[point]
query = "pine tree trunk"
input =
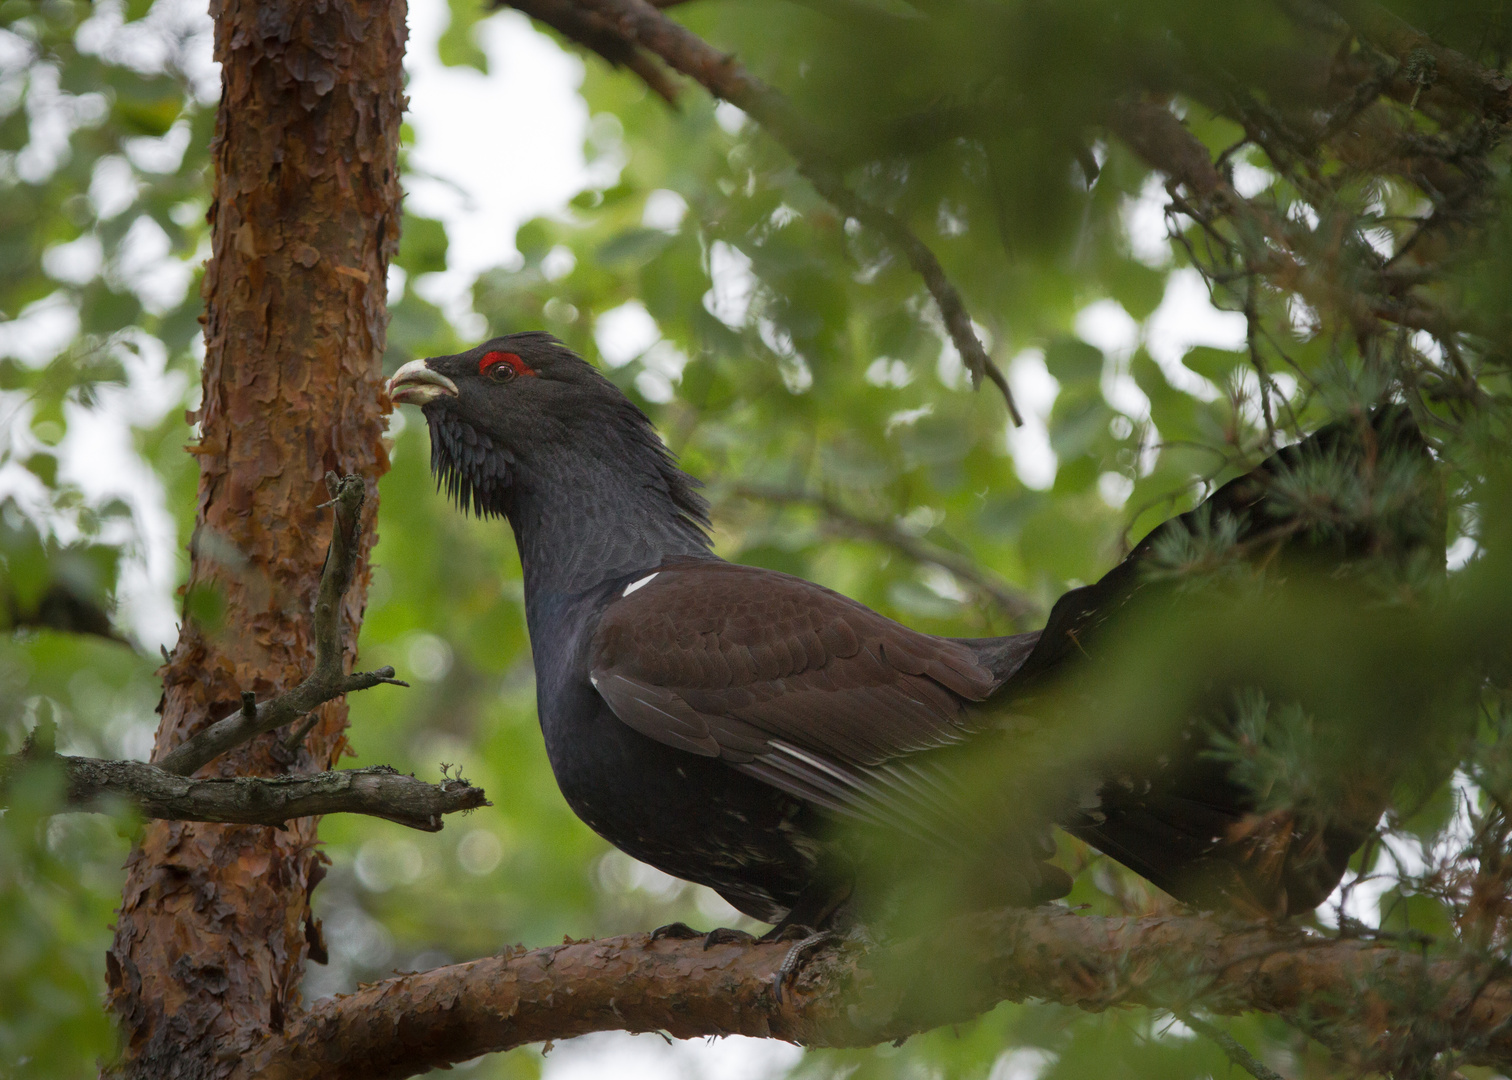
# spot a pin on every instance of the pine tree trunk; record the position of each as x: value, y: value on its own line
x: 215, y: 922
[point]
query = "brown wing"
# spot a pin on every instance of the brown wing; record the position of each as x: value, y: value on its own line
x: 794, y: 684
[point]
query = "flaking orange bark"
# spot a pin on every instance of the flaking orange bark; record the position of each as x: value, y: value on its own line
x: 214, y: 925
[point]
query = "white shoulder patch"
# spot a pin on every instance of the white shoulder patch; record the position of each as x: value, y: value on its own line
x: 630, y: 588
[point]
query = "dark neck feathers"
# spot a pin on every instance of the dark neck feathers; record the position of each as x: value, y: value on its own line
x: 588, y: 503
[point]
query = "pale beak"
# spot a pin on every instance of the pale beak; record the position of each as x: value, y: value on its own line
x: 417, y: 384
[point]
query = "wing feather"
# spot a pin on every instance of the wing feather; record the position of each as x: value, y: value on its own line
x: 658, y: 713
x: 795, y: 685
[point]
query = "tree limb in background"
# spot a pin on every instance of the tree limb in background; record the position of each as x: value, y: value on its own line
x: 1424, y: 62
x: 377, y: 791
x: 827, y: 181
x: 1374, y: 1004
x: 1268, y: 246
x: 1016, y: 605
x: 641, y: 26
x: 328, y: 681
x: 587, y: 29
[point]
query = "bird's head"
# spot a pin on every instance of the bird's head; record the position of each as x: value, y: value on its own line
x: 526, y: 408
x: 507, y: 386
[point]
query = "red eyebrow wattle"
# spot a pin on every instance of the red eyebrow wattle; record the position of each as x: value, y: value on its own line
x: 512, y: 359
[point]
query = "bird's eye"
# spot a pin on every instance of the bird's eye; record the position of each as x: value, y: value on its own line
x: 503, y: 366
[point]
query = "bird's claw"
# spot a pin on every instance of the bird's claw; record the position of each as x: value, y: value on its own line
x: 677, y: 931
x: 681, y: 931
x: 725, y: 935
x: 794, y: 958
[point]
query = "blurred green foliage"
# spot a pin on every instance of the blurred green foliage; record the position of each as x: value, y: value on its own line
x: 795, y: 363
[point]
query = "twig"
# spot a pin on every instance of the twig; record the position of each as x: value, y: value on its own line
x: 165, y: 790
x: 1251, y: 340
x: 1232, y: 1048
x: 328, y: 680
x: 1014, y: 604
x: 377, y: 791
x: 1158, y: 137
x: 641, y: 26
x: 827, y: 182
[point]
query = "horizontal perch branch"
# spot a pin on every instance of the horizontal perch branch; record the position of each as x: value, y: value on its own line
x: 328, y: 681
x: 378, y: 791
x: 1376, y: 1005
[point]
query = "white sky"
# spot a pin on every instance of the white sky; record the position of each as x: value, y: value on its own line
x: 494, y: 150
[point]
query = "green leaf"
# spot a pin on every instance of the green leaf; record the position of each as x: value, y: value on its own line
x: 1072, y: 360
x: 1137, y: 287
x: 422, y: 245
x: 633, y: 247
x: 44, y: 467
x: 1214, y: 364
x: 206, y: 605
x: 458, y: 44
x: 144, y: 106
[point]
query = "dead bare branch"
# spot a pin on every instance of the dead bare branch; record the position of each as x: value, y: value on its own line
x: 328, y: 681
x: 163, y: 790
x: 377, y: 791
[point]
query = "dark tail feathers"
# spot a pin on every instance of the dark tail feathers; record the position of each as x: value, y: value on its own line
x: 1184, y: 823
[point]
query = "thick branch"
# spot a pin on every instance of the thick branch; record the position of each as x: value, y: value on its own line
x: 641, y: 26
x: 378, y: 791
x: 1488, y: 91
x: 1014, y: 604
x: 327, y: 681
x: 1370, y: 1000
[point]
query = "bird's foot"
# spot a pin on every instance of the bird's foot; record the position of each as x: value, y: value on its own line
x: 677, y: 931
x: 793, y: 961
x: 725, y: 935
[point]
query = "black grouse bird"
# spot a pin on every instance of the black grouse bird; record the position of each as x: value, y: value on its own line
x: 721, y: 722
